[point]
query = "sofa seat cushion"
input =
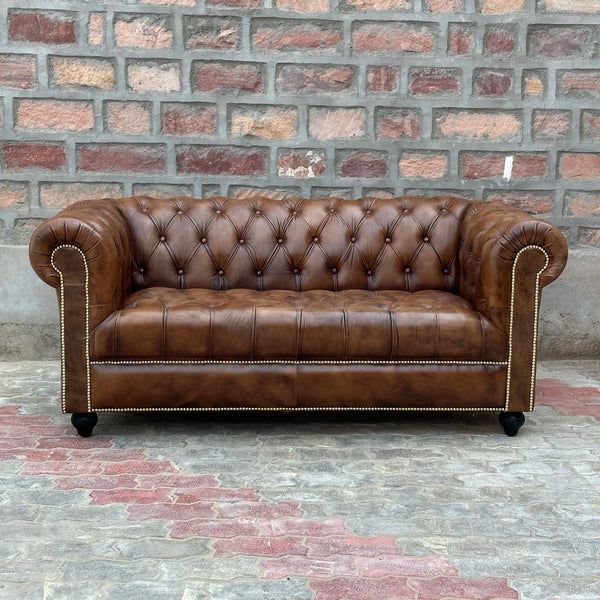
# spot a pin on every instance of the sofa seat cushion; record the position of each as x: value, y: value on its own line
x: 240, y: 324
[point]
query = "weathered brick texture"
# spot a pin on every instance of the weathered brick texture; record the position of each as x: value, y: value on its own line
x: 491, y: 99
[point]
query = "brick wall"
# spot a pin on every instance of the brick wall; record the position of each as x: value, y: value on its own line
x: 494, y: 99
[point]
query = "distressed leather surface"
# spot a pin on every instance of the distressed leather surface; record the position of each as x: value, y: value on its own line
x: 422, y: 278
x: 165, y: 323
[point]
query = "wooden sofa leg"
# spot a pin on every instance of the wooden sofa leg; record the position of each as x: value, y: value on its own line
x: 84, y: 423
x: 512, y: 422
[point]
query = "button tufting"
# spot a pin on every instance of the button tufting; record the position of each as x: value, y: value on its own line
x: 296, y: 271
x: 368, y: 211
x: 221, y: 271
x: 144, y: 209
x: 242, y: 241
x: 332, y: 210
x: 446, y: 271
x: 369, y: 273
x: 407, y: 270
x: 179, y: 212
x: 162, y: 238
x: 141, y: 270
x: 425, y: 239
x: 316, y: 240
x: 280, y: 241
x: 180, y: 272
x: 334, y: 270
x: 218, y: 211
x: 259, y: 272
x: 388, y: 240
x: 353, y: 239
x: 257, y: 212
x: 203, y: 240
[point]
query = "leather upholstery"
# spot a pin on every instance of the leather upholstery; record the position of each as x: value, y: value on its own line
x: 421, y: 279
x: 407, y: 244
x: 163, y: 323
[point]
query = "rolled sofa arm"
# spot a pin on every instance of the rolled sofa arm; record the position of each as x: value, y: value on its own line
x: 95, y: 231
x: 496, y: 240
x: 506, y: 257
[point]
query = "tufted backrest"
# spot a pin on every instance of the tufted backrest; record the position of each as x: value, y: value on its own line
x: 406, y: 243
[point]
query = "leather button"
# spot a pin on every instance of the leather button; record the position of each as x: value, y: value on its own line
x: 316, y: 240
x: 180, y: 272
x: 353, y: 239
x: 407, y: 270
x: 405, y: 210
x: 334, y: 270
x: 388, y: 240
x: 426, y: 239
x: 259, y: 272
x: 179, y: 212
x: 203, y: 240
x: 144, y: 209
x: 332, y: 210
x: 368, y: 211
x: 141, y: 270
x: 296, y: 271
x: 443, y: 211
x: 221, y: 272
x: 446, y: 271
x: 218, y: 211
x: 242, y: 241
x: 369, y: 273
x: 162, y: 238
x: 257, y: 212
x: 294, y: 212
x: 280, y: 241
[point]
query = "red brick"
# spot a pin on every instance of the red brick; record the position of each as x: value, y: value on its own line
x: 214, y: 529
x: 562, y: 41
x: 315, y: 79
x: 551, y: 124
x: 261, y: 510
x: 482, y: 165
x: 96, y: 26
x: 461, y: 39
x: 477, y: 124
x: 281, y: 546
x: 59, y: 195
x: 423, y: 165
x: 303, y: 6
x: 582, y: 204
x: 485, y: 588
x: 537, y: 203
x: 74, y: 442
x: 143, y: 31
x: 355, y: 588
x: 290, y: 35
x: 169, y: 511
x: 154, y: 76
x: 217, y: 33
x: 133, y: 118
x: 375, y: 5
x: 501, y: 7
x: 18, y: 71
x: 361, y: 163
x: 76, y: 72
x: 140, y: 467
x: 302, y: 566
x: 533, y: 84
x: 53, y: 115
x: 579, y: 84
x: 301, y: 163
x: 129, y: 496
x: 492, y: 83
x: 579, y: 165
x: 230, y: 77
x: 326, y: 123
x: 394, y: 37
x: 352, y: 545
x: 434, y: 81
x: 411, y: 566
x: 382, y: 78
x: 189, y: 119
x: 397, y: 124
x: 590, y: 236
x: 590, y: 125
x: 445, y: 6
x: 235, y: 3
x: 222, y: 160
x: 162, y: 190
x: 13, y: 194
x: 42, y: 27
x: 134, y: 158
x: 500, y: 40
x: 263, y: 122
x: 19, y: 156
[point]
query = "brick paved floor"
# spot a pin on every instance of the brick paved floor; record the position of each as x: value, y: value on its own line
x: 299, y: 507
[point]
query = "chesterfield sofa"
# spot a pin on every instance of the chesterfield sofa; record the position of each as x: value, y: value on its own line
x: 409, y: 304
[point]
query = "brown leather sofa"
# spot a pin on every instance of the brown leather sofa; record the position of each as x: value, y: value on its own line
x: 410, y: 303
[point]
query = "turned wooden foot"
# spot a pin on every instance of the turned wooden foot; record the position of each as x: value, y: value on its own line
x: 84, y: 423
x: 512, y: 422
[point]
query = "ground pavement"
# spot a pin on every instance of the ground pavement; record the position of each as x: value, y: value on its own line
x: 198, y: 506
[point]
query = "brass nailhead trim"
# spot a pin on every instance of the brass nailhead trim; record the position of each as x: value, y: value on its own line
x: 305, y: 408
x: 502, y: 363
x: 297, y: 362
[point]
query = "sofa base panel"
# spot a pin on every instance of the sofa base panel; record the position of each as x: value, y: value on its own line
x: 297, y: 386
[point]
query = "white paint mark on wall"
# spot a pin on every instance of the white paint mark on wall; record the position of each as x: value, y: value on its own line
x: 508, y: 165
